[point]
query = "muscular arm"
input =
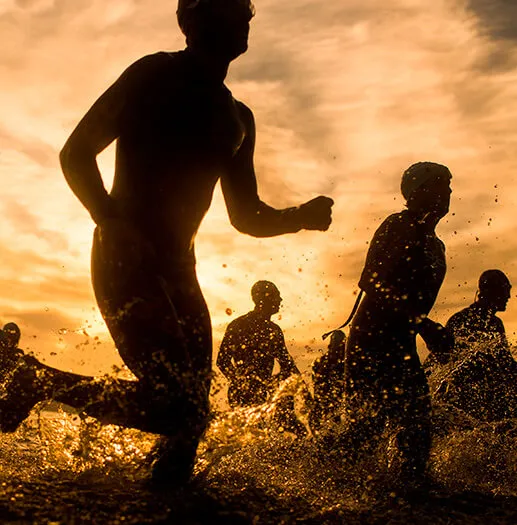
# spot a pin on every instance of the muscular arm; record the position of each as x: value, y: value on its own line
x: 248, y: 213
x: 97, y: 130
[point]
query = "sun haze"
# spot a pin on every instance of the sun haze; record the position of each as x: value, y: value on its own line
x: 346, y: 95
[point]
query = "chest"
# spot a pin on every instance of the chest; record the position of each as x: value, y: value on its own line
x: 189, y: 118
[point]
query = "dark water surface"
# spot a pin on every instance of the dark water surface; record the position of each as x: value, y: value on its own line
x: 57, y: 469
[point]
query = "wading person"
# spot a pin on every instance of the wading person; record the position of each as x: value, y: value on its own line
x: 405, y: 267
x: 9, y: 351
x: 481, y: 378
x: 328, y: 374
x: 250, y: 346
x: 179, y: 131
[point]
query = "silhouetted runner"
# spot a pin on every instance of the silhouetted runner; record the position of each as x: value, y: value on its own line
x: 481, y: 374
x: 9, y: 351
x: 250, y: 346
x: 328, y: 375
x: 178, y: 131
x: 404, y: 269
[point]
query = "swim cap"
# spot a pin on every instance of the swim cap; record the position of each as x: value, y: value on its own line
x: 420, y: 173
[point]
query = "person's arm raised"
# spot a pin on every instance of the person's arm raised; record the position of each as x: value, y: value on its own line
x: 248, y: 213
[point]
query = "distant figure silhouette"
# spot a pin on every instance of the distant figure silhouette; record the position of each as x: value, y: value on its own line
x: 479, y: 320
x: 9, y: 351
x: 404, y: 270
x: 179, y: 131
x: 481, y: 376
x: 250, y: 346
x: 328, y: 375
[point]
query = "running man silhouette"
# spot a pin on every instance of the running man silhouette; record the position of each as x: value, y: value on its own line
x: 179, y: 131
x: 404, y: 269
x: 250, y: 346
x: 328, y: 375
x: 482, y: 380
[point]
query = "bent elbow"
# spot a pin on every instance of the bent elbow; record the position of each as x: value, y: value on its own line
x: 73, y: 156
x: 249, y: 225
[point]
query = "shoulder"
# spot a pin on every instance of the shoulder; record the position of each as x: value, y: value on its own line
x: 460, y: 316
x: 498, y: 324
x: 397, y: 222
x: 245, y: 113
x: 274, y: 328
x: 152, y: 62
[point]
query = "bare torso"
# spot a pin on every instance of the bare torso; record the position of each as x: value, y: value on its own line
x: 179, y: 133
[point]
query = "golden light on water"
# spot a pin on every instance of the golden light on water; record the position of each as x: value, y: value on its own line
x: 346, y: 95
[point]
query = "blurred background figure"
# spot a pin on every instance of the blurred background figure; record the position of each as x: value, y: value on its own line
x: 9, y: 351
x: 250, y: 347
x: 480, y: 374
x: 328, y: 381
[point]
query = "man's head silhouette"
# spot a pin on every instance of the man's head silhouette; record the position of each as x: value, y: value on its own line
x: 266, y: 297
x: 11, y: 335
x: 220, y: 27
x: 494, y: 289
x: 426, y: 188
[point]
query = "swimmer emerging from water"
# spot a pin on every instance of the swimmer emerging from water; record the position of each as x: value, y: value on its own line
x: 404, y: 270
x: 250, y: 346
x: 179, y: 131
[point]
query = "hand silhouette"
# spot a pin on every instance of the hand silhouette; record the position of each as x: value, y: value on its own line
x: 317, y: 213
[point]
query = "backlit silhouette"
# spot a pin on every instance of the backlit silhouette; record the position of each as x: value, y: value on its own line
x: 251, y: 345
x: 179, y: 130
x: 404, y: 269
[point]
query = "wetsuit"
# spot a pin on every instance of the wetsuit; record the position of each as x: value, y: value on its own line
x: 385, y: 383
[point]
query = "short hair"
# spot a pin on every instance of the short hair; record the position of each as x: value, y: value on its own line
x: 261, y: 289
x: 491, y: 279
x: 418, y: 174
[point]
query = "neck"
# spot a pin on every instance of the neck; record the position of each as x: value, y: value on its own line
x: 262, y: 314
x: 485, y: 305
x: 213, y: 66
x: 427, y: 218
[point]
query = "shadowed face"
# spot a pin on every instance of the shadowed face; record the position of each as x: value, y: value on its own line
x: 220, y: 26
x: 498, y: 297
x: 11, y: 335
x: 266, y: 297
x: 433, y: 197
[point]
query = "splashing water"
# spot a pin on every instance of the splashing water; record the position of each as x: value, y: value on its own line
x: 243, y: 455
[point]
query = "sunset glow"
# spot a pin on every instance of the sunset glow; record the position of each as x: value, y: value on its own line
x: 346, y: 95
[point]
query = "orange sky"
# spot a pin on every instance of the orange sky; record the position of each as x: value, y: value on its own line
x: 346, y: 94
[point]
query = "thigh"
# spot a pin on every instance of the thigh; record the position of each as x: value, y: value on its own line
x: 159, y: 322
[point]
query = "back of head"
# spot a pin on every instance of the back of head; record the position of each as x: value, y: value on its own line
x: 419, y: 174
x: 493, y: 280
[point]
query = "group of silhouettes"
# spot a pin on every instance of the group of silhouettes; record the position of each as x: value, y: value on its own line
x: 179, y: 131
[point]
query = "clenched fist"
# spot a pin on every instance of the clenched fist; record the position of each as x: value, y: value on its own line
x: 317, y: 213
